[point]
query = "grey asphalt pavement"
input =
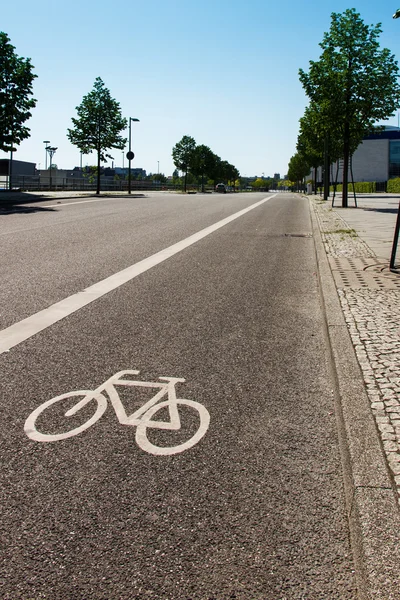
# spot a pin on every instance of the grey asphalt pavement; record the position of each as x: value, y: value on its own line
x: 254, y: 510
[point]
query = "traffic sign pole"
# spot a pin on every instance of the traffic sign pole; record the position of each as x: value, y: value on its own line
x: 130, y: 154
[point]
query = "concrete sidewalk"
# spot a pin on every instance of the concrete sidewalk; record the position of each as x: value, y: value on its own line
x: 374, y: 220
x: 358, y: 243
x: 355, y: 277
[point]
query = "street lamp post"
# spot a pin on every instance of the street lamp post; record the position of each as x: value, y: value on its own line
x: 130, y: 154
x: 51, y: 150
x: 47, y: 142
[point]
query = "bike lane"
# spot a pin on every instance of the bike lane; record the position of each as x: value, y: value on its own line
x: 60, y: 248
x: 255, y: 509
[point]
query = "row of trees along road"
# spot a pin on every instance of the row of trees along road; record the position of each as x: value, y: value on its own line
x: 99, y: 121
x: 352, y: 86
x: 97, y: 127
x: 16, y: 102
x: 202, y: 162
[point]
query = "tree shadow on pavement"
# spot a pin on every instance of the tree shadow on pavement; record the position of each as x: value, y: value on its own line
x: 10, y: 209
x: 392, y: 211
x: 15, y: 202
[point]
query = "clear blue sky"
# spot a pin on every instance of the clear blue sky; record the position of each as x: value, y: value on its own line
x: 222, y: 71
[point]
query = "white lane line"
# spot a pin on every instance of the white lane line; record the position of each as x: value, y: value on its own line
x: 19, y: 332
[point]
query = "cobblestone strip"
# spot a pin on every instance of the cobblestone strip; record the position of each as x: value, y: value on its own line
x: 373, y: 320
x: 339, y: 240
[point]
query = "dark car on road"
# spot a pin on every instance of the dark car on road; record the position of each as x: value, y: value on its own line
x: 221, y: 188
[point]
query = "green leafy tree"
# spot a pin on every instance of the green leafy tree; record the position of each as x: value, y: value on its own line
x: 258, y: 184
x: 285, y: 184
x: 310, y: 141
x: 203, y: 162
x: 182, y: 155
x: 16, y: 79
x: 318, y: 137
x: 269, y: 183
x: 216, y: 171
x: 99, y: 125
x: 225, y: 172
x: 298, y: 168
x: 234, y: 175
x: 91, y: 173
x: 354, y: 83
x: 160, y: 177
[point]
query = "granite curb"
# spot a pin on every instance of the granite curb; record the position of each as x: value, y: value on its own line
x: 372, y: 508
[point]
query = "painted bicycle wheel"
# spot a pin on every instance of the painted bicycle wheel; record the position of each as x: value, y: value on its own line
x: 141, y: 431
x: 88, y: 396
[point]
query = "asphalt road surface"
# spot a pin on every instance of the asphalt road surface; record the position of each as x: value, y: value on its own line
x: 243, y: 498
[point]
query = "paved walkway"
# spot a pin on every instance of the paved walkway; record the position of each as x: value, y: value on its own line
x: 358, y: 243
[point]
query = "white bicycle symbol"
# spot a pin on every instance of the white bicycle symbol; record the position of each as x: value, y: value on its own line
x: 142, y: 418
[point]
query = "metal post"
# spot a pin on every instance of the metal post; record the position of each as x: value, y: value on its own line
x: 130, y: 154
x: 47, y: 142
x: 129, y: 167
x: 51, y: 150
x: 395, y: 241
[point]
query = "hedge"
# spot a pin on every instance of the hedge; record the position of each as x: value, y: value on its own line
x: 361, y: 187
x: 393, y: 186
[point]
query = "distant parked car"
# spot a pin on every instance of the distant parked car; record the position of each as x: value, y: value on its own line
x: 221, y: 188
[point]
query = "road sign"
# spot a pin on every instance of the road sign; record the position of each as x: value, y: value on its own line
x: 130, y: 155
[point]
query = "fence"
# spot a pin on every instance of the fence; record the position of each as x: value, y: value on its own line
x: 83, y: 184
x: 39, y: 184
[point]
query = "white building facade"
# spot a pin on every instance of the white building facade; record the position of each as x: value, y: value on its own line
x: 377, y: 158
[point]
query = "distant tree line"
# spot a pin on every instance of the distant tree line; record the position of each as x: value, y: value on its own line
x: 202, y: 164
x: 98, y: 127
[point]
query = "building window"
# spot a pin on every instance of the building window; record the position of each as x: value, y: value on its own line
x: 394, y: 159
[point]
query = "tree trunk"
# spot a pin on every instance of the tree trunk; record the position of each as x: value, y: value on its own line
x: 326, y: 168
x: 352, y: 180
x: 346, y: 155
x: 185, y: 180
x: 98, y: 171
x: 98, y: 154
x: 10, y: 169
x: 10, y: 173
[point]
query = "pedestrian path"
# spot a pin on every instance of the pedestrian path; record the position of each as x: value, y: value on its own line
x: 358, y: 243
